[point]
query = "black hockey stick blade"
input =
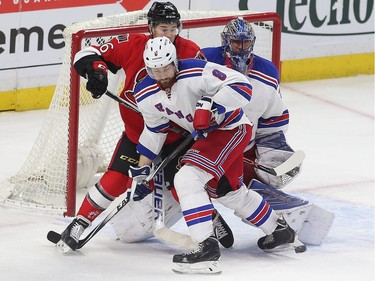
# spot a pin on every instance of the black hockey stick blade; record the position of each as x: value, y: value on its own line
x: 53, y: 237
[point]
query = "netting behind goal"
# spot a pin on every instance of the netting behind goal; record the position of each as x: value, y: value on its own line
x: 79, y: 134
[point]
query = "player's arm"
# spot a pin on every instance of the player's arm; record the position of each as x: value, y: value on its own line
x: 275, y: 118
x: 94, y: 62
x: 150, y: 143
x: 231, y: 90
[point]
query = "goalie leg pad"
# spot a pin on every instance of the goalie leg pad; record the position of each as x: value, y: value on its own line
x: 135, y: 222
x: 251, y: 208
x: 311, y: 222
x: 316, y: 226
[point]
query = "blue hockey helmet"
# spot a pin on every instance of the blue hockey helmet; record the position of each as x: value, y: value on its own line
x: 238, y: 39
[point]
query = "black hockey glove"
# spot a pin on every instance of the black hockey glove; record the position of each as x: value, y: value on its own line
x: 97, y: 79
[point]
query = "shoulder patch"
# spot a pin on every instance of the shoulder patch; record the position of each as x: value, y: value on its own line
x: 123, y: 38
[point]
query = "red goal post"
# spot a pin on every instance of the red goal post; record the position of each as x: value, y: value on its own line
x: 85, y: 155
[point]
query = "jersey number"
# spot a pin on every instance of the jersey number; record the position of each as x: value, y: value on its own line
x: 222, y: 76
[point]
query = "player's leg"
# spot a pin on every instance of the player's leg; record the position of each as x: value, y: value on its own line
x: 114, y: 182
x: 205, y: 160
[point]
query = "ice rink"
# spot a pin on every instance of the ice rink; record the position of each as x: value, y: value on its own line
x: 331, y: 120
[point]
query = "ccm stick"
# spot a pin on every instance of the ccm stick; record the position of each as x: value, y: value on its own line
x: 55, y: 237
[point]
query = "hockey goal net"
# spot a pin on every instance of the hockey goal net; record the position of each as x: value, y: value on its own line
x: 79, y: 134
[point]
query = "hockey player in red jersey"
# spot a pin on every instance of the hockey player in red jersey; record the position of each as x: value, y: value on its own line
x: 124, y: 51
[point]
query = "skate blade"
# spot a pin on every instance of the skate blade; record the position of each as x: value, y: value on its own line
x: 63, y: 248
x: 296, y: 245
x: 207, y: 267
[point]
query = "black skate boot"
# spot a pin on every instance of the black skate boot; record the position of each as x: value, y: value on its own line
x: 222, y: 230
x: 73, y: 232
x: 283, y: 238
x: 204, y: 259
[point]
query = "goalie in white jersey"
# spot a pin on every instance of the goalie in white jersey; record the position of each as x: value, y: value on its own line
x: 267, y: 111
x: 205, y: 98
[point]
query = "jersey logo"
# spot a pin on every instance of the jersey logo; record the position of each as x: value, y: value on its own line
x: 123, y: 38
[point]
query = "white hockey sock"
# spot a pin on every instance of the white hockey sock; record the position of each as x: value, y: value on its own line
x: 251, y: 208
x: 195, y: 203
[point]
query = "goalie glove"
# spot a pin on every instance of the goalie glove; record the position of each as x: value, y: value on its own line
x: 139, y: 174
x: 271, y: 151
x: 97, y: 79
x: 204, y: 122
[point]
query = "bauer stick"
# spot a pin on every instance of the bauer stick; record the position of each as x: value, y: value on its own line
x: 160, y: 230
x: 185, y: 241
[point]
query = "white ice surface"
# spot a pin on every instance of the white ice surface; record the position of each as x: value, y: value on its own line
x: 331, y: 120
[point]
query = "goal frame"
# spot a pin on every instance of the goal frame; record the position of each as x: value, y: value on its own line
x: 77, y: 38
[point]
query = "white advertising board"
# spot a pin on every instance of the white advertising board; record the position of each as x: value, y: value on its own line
x: 31, y: 43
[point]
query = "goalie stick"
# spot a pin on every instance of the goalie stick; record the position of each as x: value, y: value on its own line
x: 55, y: 237
x: 284, y: 168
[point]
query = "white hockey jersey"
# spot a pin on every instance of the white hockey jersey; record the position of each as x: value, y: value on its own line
x: 229, y: 90
x: 266, y: 111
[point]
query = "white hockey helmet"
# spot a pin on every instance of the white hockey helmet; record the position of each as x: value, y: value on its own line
x: 159, y: 52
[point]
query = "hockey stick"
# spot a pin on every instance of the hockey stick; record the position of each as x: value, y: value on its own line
x: 160, y: 230
x: 55, y: 237
x: 167, y: 159
x: 292, y: 162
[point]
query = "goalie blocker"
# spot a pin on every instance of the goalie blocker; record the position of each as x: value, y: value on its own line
x: 311, y: 222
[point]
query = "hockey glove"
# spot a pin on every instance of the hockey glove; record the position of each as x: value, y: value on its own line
x: 97, y: 79
x: 203, y: 117
x: 139, y: 174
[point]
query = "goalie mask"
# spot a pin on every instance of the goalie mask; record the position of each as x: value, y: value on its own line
x: 163, y: 12
x: 238, y: 39
x: 159, y: 52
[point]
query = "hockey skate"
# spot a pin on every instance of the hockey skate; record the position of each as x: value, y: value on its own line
x: 70, y: 236
x: 283, y: 238
x: 203, y: 260
x: 222, y: 230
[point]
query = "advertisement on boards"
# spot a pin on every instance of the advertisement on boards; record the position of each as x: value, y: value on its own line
x: 32, y: 45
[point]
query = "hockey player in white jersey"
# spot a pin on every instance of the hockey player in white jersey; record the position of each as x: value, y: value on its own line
x: 267, y: 111
x: 270, y: 117
x: 207, y: 99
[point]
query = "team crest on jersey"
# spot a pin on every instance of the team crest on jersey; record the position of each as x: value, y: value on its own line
x: 123, y: 38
